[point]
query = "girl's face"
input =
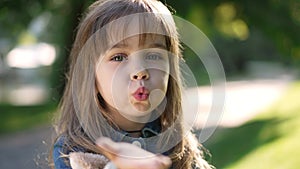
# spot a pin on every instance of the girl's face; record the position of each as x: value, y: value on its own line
x: 132, y: 77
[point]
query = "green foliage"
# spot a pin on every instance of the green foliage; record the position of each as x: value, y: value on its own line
x: 271, y: 140
x: 15, y: 17
x: 196, y: 66
x: 15, y: 118
x: 246, y: 30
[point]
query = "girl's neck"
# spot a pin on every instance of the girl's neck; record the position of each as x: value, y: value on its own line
x: 127, y: 125
x: 131, y: 127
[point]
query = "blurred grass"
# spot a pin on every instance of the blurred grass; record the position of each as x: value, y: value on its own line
x: 271, y: 140
x: 16, y: 118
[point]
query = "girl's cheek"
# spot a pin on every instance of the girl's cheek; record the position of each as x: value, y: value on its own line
x: 160, y: 78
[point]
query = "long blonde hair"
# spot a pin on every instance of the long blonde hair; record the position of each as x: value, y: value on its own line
x: 79, y: 117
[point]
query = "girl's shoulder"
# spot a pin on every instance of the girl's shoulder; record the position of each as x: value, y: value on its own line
x: 64, y: 143
x: 60, y: 141
x: 61, y: 151
x: 60, y: 154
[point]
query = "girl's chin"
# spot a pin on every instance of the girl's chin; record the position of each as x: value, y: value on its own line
x: 137, y: 113
x: 141, y: 108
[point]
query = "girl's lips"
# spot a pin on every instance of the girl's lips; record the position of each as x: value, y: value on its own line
x: 141, y: 94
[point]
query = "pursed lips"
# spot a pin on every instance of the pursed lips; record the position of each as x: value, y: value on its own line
x: 141, y: 94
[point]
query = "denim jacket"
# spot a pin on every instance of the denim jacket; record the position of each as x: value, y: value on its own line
x: 150, y: 130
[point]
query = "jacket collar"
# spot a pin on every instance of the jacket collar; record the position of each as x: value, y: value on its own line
x: 150, y: 129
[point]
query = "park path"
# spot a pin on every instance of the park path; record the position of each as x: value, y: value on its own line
x: 27, y: 149
x: 244, y: 99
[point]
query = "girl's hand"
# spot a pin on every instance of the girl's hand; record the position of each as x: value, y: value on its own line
x: 129, y: 156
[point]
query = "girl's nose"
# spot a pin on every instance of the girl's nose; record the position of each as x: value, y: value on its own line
x: 140, y: 75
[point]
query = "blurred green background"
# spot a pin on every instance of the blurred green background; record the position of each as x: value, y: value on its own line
x: 254, y: 39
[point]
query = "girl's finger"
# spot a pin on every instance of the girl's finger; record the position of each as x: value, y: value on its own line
x: 165, y: 161
x: 107, y: 147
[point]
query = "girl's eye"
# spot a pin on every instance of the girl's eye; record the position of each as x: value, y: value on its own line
x: 153, y: 56
x: 119, y: 57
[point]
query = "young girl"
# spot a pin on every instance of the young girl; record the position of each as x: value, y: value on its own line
x: 122, y: 100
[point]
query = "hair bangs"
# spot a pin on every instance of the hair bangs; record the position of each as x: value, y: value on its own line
x: 133, y: 18
x: 142, y: 24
